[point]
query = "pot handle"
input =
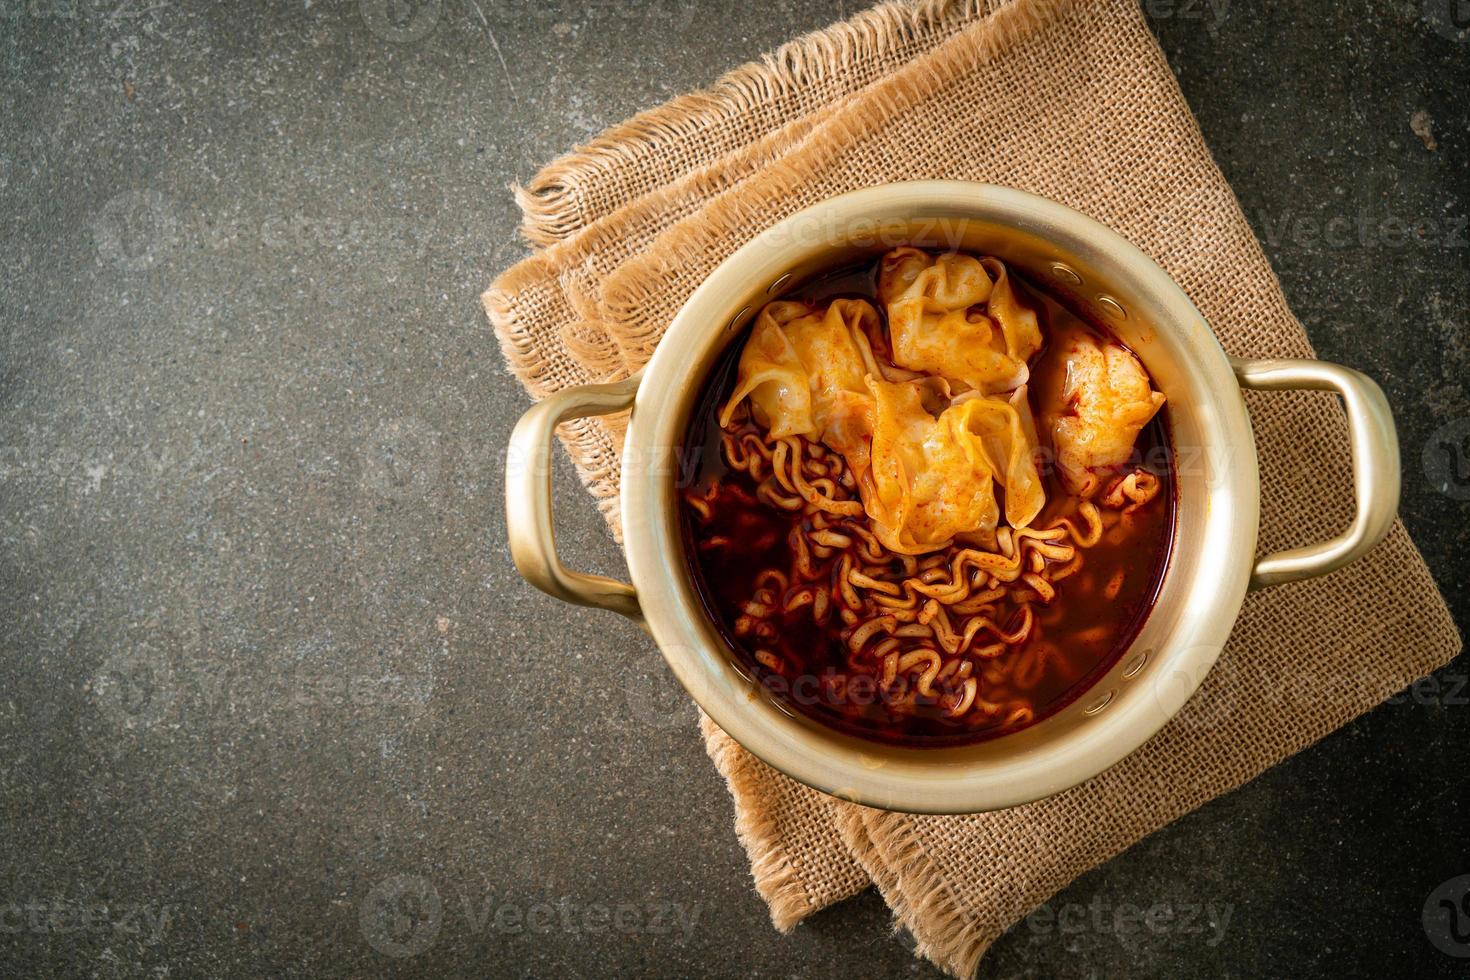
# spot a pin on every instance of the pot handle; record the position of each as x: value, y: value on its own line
x: 1375, y: 448
x: 528, y: 523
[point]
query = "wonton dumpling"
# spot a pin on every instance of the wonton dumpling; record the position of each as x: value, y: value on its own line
x: 926, y: 465
x: 1007, y: 434
x: 1017, y: 321
x: 952, y: 281
x: 937, y: 327
x: 926, y: 485
x: 926, y: 480
x: 1096, y: 398
x: 798, y: 362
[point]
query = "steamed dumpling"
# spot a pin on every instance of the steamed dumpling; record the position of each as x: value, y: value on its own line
x: 925, y: 481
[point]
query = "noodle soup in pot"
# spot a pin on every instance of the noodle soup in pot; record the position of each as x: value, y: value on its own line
x: 934, y: 503
x: 938, y: 497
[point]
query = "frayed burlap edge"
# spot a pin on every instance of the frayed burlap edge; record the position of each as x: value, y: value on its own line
x: 589, y: 442
x: 552, y: 202
x: 915, y: 890
x: 592, y: 444
x: 555, y: 263
x: 629, y: 293
x: 776, y: 878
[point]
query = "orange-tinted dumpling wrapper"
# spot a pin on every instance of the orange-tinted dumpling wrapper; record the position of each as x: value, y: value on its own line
x: 957, y: 317
x: 926, y: 469
x: 1095, y: 399
x: 799, y: 363
x: 1006, y: 433
x: 929, y: 480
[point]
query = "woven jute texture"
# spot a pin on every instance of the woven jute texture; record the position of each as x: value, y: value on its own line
x: 1073, y: 100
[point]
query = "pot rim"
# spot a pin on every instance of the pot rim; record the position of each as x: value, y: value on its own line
x: 908, y: 778
x: 1216, y: 505
x: 680, y: 626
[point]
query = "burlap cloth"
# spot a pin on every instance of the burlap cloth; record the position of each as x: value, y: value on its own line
x: 1071, y: 99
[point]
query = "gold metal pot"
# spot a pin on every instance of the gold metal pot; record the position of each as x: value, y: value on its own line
x: 1213, y: 560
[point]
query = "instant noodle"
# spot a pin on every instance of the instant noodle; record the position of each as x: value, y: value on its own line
x: 935, y: 503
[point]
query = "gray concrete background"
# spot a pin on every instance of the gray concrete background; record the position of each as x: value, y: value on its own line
x: 266, y: 663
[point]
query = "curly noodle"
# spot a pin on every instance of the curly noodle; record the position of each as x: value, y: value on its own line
x: 957, y: 627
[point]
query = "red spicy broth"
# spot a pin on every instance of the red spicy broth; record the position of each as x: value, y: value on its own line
x: 733, y: 538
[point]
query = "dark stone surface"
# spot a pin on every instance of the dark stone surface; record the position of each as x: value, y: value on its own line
x: 264, y: 651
